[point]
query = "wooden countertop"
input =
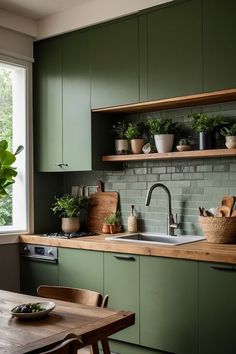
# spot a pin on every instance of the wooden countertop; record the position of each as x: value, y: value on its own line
x: 201, y: 250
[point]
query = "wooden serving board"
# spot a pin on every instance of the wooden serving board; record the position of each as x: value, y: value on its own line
x: 101, y: 204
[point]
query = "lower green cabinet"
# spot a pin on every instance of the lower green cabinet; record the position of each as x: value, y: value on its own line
x: 81, y: 269
x: 169, y: 304
x: 217, y: 308
x: 121, y: 283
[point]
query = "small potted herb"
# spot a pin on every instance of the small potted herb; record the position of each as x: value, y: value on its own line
x: 230, y: 136
x: 69, y: 206
x: 134, y: 133
x: 111, y: 224
x: 163, y: 131
x: 184, y: 145
x: 206, y: 127
x: 121, y: 142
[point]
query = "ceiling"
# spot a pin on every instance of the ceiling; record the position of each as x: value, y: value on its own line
x: 37, y: 9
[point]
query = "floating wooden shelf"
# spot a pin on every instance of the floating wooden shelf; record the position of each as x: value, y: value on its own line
x: 194, y: 154
x: 176, y: 102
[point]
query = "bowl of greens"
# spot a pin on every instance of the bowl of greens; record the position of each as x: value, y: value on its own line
x: 33, y: 310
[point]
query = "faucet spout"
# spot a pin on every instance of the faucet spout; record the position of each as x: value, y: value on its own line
x: 172, y: 225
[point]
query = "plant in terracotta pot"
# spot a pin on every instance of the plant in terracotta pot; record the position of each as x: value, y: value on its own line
x: 230, y: 136
x: 134, y: 133
x: 163, y: 131
x: 206, y: 127
x: 121, y: 142
x: 184, y: 144
x: 111, y: 224
x: 69, y: 206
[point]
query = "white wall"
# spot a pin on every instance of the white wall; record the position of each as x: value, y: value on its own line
x: 90, y: 12
x: 16, y: 44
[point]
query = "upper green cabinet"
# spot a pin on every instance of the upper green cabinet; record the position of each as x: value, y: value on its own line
x: 217, y: 308
x: 115, y: 63
x: 219, y: 44
x: 48, y: 105
x: 169, y: 304
x: 174, y: 50
x: 62, y: 103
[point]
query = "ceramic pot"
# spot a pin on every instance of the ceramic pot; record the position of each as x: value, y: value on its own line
x: 183, y: 147
x: 230, y: 142
x: 164, y: 142
x: 70, y: 224
x: 122, y: 146
x: 105, y: 228
x: 136, y: 145
x: 206, y: 140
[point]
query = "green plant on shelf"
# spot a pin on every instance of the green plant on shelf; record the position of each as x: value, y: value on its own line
x: 162, y: 125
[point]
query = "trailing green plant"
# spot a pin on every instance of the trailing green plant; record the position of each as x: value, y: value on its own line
x: 112, y: 219
x: 201, y: 122
x: 135, y: 130
x: 7, y: 172
x: 119, y: 130
x: 229, y: 131
x: 161, y: 125
x: 69, y: 205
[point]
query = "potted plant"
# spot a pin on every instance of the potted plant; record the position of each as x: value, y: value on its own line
x: 162, y: 129
x: 205, y: 126
x: 184, y: 145
x: 111, y: 224
x: 121, y: 143
x: 69, y: 207
x: 134, y: 133
x: 230, y: 136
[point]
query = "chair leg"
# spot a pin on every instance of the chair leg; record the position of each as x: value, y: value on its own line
x: 95, y: 349
x: 105, y: 346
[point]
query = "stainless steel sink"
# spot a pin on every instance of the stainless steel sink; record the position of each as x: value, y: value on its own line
x: 155, y: 238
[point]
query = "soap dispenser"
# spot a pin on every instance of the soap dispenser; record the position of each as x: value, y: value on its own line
x: 132, y: 221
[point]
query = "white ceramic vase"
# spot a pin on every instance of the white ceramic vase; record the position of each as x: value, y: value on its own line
x: 164, y: 142
x: 122, y: 146
x: 230, y: 142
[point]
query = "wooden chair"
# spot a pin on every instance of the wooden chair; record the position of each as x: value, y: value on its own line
x: 69, y: 346
x: 80, y: 296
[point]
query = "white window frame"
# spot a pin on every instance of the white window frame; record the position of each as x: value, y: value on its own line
x: 25, y: 158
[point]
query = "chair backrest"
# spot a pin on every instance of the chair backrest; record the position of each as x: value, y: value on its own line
x: 80, y: 296
x: 69, y: 346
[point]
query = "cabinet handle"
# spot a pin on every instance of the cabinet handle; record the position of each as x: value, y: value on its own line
x: 61, y: 164
x: 126, y: 258
x: 224, y: 268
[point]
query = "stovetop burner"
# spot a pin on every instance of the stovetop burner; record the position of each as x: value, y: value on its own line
x: 68, y: 235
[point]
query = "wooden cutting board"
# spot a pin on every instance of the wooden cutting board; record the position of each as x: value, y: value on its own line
x: 101, y: 204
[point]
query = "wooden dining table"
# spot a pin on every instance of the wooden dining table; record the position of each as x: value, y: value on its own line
x: 27, y: 335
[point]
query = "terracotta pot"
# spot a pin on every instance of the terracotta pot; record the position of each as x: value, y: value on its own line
x: 136, y: 145
x: 105, y: 228
x: 230, y: 142
x: 122, y: 146
x: 70, y: 224
x: 164, y: 142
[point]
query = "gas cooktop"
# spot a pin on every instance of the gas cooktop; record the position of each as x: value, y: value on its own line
x: 68, y: 235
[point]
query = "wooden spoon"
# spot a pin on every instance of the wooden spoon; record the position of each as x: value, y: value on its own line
x: 224, y: 210
x: 233, y: 214
x: 228, y: 201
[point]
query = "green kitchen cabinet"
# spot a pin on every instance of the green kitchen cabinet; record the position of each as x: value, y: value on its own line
x: 115, y: 63
x: 169, y: 304
x: 121, y: 283
x: 217, y: 308
x: 81, y: 269
x: 48, y: 105
x: 62, y: 103
x: 174, y: 44
x: 219, y: 48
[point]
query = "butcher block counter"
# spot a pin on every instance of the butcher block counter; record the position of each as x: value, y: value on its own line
x: 201, y: 250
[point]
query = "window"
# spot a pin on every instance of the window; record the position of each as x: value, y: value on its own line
x: 13, y: 125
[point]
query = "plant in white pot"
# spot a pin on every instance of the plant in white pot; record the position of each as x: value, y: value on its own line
x: 121, y: 143
x: 163, y: 131
x: 134, y: 133
x: 230, y: 136
x: 69, y: 207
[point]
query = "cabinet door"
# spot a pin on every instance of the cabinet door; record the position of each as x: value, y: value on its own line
x: 81, y: 269
x: 217, y: 308
x: 175, y: 50
x: 121, y: 283
x: 48, y: 105
x: 219, y: 48
x: 114, y: 63
x: 76, y: 102
x: 168, y: 304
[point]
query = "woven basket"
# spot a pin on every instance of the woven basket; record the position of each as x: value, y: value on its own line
x: 218, y: 230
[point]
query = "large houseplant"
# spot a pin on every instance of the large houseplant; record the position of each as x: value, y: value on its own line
x: 206, y: 127
x: 134, y: 133
x: 162, y: 129
x: 69, y: 207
